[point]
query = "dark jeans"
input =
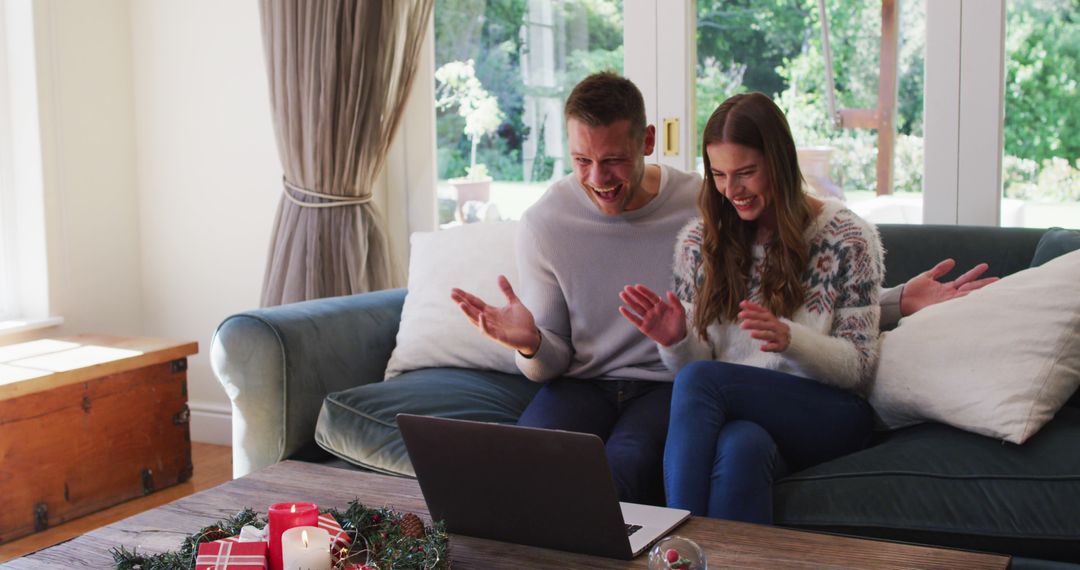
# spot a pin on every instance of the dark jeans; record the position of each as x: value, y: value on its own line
x: 735, y: 429
x: 630, y: 416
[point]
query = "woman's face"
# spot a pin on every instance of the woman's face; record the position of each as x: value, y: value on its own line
x: 739, y: 175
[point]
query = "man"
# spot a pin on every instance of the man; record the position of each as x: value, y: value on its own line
x: 613, y: 222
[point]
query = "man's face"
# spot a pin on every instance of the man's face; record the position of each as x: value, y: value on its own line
x: 610, y: 164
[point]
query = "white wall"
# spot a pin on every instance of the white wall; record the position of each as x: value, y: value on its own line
x: 162, y: 175
x: 160, y: 170
x: 88, y: 163
x: 209, y: 178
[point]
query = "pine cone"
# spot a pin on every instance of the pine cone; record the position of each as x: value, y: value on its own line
x: 215, y: 534
x: 412, y: 526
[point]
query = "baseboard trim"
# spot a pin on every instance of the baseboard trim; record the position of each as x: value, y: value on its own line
x: 211, y: 423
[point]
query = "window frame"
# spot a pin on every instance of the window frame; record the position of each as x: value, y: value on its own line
x: 9, y: 287
x: 22, y: 195
x: 965, y: 62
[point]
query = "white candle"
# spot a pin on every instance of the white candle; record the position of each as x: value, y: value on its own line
x: 305, y: 548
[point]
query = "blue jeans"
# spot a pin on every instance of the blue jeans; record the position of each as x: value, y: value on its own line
x: 735, y: 429
x: 630, y: 416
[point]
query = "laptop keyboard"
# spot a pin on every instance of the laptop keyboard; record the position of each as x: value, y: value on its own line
x: 632, y: 528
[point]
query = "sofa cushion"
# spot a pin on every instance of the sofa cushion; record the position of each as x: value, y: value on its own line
x: 434, y: 332
x: 1054, y: 243
x: 1000, y: 361
x: 360, y: 425
x: 936, y: 484
x: 1022, y: 563
x: 912, y: 249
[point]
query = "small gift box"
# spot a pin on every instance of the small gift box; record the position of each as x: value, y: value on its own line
x: 231, y: 554
x: 249, y: 533
x: 339, y: 539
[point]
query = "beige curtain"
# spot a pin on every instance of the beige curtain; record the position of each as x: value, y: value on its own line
x: 339, y: 72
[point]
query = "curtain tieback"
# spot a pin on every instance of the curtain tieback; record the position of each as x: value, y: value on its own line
x: 335, y: 201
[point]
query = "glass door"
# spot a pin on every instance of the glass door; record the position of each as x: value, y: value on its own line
x: 1041, y: 160
x: 778, y: 47
x: 502, y: 71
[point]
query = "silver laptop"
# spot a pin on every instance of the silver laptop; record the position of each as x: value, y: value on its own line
x: 530, y: 486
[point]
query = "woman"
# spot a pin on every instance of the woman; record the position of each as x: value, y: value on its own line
x: 781, y: 289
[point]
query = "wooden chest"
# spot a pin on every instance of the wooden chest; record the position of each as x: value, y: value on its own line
x: 87, y: 422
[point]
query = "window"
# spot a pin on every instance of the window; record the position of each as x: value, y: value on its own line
x: 1041, y: 160
x: 778, y: 48
x: 23, y: 271
x: 951, y: 94
x: 9, y: 301
x: 502, y: 71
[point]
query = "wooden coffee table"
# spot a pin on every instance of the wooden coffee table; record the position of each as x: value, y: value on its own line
x: 727, y: 544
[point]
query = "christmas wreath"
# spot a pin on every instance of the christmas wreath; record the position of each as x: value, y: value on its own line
x: 382, y: 539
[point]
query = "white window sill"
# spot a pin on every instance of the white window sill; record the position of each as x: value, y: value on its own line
x: 15, y: 326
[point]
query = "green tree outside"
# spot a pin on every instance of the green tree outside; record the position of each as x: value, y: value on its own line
x: 490, y: 33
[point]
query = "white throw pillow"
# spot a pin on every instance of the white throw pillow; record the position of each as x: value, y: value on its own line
x: 998, y: 362
x: 434, y: 332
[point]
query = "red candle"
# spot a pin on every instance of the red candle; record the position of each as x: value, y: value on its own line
x: 284, y: 516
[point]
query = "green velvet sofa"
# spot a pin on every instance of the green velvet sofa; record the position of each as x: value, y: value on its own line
x: 305, y: 382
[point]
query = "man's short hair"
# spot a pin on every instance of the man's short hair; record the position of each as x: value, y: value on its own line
x: 603, y: 98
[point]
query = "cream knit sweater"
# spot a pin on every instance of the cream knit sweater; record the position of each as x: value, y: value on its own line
x: 573, y: 261
x: 833, y: 334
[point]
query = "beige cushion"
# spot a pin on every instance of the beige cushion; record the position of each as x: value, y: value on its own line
x: 998, y: 362
x: 434, y: 332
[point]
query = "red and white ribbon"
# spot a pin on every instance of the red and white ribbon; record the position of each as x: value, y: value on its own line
x: 337, y: 534
x: 224, y: 558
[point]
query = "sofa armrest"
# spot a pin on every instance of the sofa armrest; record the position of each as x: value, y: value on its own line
x: 278, y: 364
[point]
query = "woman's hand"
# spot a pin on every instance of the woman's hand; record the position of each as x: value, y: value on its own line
x: 664, y: 322
x: 763, y: 325
x: 924, y: 289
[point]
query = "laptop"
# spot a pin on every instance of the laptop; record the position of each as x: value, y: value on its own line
x: 539, y: 487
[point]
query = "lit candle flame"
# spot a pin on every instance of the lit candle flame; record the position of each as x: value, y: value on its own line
x: 303, y: 536
x: 293, y: 509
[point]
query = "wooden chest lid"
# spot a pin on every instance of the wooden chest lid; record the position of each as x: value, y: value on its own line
x: 44, y: 364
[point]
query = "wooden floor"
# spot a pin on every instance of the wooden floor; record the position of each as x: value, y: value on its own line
x: 212, y: 467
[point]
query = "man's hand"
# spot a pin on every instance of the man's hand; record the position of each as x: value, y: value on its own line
x: 511, y: 325
x: 763, y: 325
x: 924, y: 289
x: 664, y: 322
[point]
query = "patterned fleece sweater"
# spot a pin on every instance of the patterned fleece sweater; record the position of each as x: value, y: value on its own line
x: 833, y: 334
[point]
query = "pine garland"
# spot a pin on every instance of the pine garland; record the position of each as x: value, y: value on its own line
x: 379, y: 541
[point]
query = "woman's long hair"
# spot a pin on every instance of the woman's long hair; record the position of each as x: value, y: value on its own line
x: 752, y: 120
